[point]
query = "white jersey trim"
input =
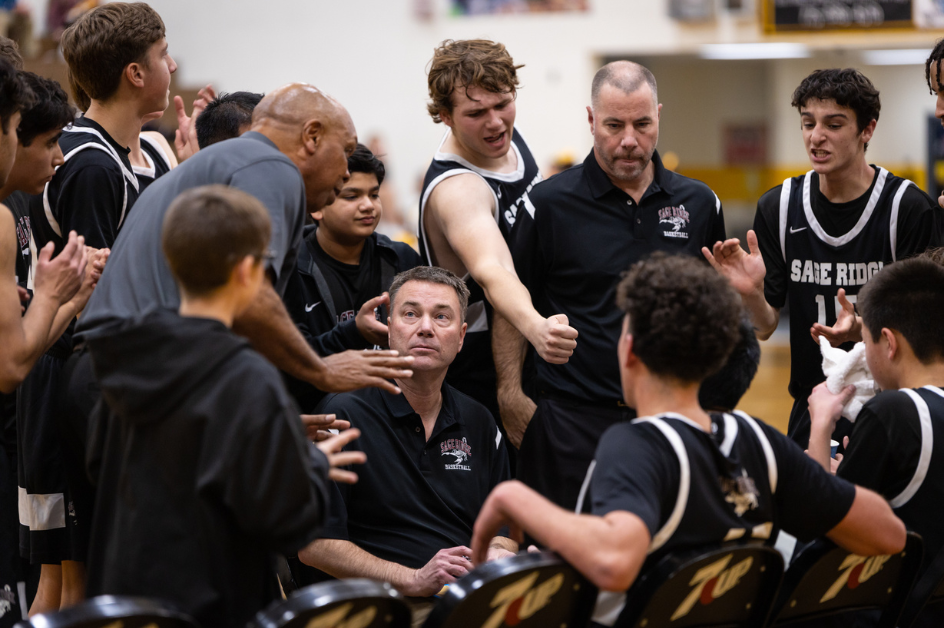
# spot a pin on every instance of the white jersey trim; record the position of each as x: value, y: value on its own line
x: 685, y: 478
x: 425, y: 199
x: 863, y: 219
x: 508, y: 177
x: 41, y: 512
x: 765, y: 445
x: 730, y: 434
x: 927, y: 446
x: 160, y: 150
x: 784, y: 213
x: 893, y: 223
x: 585, y: 486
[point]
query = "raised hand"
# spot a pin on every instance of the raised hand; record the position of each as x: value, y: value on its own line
x: 369, y: 327
x: 350, y: 370
x: 317, y: 426
x: 745, y: 271
x: 61, y: 277
x: 848, y: 327
x: 555, y: 340
x: 337, y: 458
x: 185, y: 139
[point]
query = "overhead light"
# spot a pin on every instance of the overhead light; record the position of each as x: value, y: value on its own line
x: 754, y: 51
x: 901, y: 56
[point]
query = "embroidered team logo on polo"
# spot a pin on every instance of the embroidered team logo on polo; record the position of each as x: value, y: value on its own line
x: 678, y: 219
x: 460, y: 450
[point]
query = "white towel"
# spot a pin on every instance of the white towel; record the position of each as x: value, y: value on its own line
x: 843, y: 369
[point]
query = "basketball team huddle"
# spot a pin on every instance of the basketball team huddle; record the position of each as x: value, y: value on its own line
x: 210, y: 357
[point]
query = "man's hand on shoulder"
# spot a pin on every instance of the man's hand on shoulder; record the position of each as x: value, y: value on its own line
x: 554, y: 340
x: 61, y: 277
x: 350, y: 370
x: 446, y: 566
x: 369, y: 327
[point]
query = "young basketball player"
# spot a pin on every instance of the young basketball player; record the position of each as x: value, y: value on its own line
x: 818, y: 238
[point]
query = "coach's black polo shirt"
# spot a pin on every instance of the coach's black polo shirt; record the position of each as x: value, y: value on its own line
x: 414, y: 497
x: 586, y: 232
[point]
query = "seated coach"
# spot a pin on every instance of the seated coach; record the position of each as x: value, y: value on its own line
x: 435, y: 454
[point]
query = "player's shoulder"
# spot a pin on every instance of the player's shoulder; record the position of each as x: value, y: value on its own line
x: 91, y: 163
x: 914, y: 199
x: 890, y: 407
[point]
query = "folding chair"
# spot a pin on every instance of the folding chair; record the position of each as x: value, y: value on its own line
x: 355, y: 603
x: 530, y: 590
x: 726, y: 585
x: 112, y: 610
x: 826, y: 580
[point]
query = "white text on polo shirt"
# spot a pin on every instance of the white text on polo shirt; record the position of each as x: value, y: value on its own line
x: 712, y: 582
x: 821, y: 273
x: 519, y: 600
x: 460, y: 449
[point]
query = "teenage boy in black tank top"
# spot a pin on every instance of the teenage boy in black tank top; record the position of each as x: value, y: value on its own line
x: 897, y: 444
x: 678, y: 477
x: 818, y: 238
x: 467, y: 207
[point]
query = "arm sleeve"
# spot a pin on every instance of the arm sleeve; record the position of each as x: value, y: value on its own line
x: 884, y: 445
x: 809, y: 501
x: 767, y: 229
x: 919, y: 227
x: 90, y: 202
x: 636, y: 471
x: 276, y: 484
x: 278, y: 185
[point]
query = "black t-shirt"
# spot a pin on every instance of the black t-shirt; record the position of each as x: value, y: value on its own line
x: 585, y: 234
x: 351, y: 285
x: 812, y: 247
x: 733, y: 488
x: 415, y: 496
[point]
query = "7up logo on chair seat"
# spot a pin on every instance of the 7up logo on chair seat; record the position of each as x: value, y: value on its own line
x: 521, y: 599
x: 855, y: 570
x: 711, y: 582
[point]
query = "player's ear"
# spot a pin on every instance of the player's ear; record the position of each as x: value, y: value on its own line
x: 892, y: 342
x: 465, y: 326
x: 312, y: 135
x: 242, y: 272
x: 590, y: 117
x: 134, y: 72
x: 446, y: 117
x: 868, y: 131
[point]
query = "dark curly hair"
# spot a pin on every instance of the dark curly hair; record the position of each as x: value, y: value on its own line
x: 683, y: 316
x: 469, y: 63
x: 364, y: 160
x: 901, y: 297
x: 50, y: 110
x: 848, y: 87
x: 15, y: 95
x: 936, y: 56
x: 723, y: 390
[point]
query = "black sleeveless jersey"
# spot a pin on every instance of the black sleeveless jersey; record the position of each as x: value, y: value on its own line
x: 473, y: 371
x: 18, y: 204
x: 158, y: 163
x: 744, y: 480
x: 818, y: 264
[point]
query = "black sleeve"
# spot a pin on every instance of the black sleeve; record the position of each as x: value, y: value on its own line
x: 276, y: 482
x: 336, y: 525
x: 636, y: 471
x: 767, y: 229
x: 919, y: 223
x: 884, y: 445
x: 809, y: 501
x: 90, y: 201
x: 500, y: 470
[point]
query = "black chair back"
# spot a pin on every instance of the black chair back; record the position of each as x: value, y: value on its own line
x: 826, y: 580
x: 530, y: 590
x: 355, y: 603
x: 109, y: 610
x: 727, y: 585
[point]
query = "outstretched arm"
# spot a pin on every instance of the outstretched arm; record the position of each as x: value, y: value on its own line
x: 870, y: 527
x: 746, y: 272
x: 609, y: 550
x: 23, y: 338
x: 463, y: 209
x: 508, y: 350
x: 272, y: 333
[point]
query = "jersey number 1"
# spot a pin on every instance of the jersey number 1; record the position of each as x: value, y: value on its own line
x: 821, y: 307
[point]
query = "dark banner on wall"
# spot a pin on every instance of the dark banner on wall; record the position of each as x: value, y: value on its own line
x: 818, y: 15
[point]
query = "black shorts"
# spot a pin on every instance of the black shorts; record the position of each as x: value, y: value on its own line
x: 48, y: 532
x: 17, y: 580
x: 561, y: 442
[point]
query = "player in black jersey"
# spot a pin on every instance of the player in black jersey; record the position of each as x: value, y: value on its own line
x: 897, y: 444
x: 468, y: 207
x: 678, y: 477
x: 818, y: 238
